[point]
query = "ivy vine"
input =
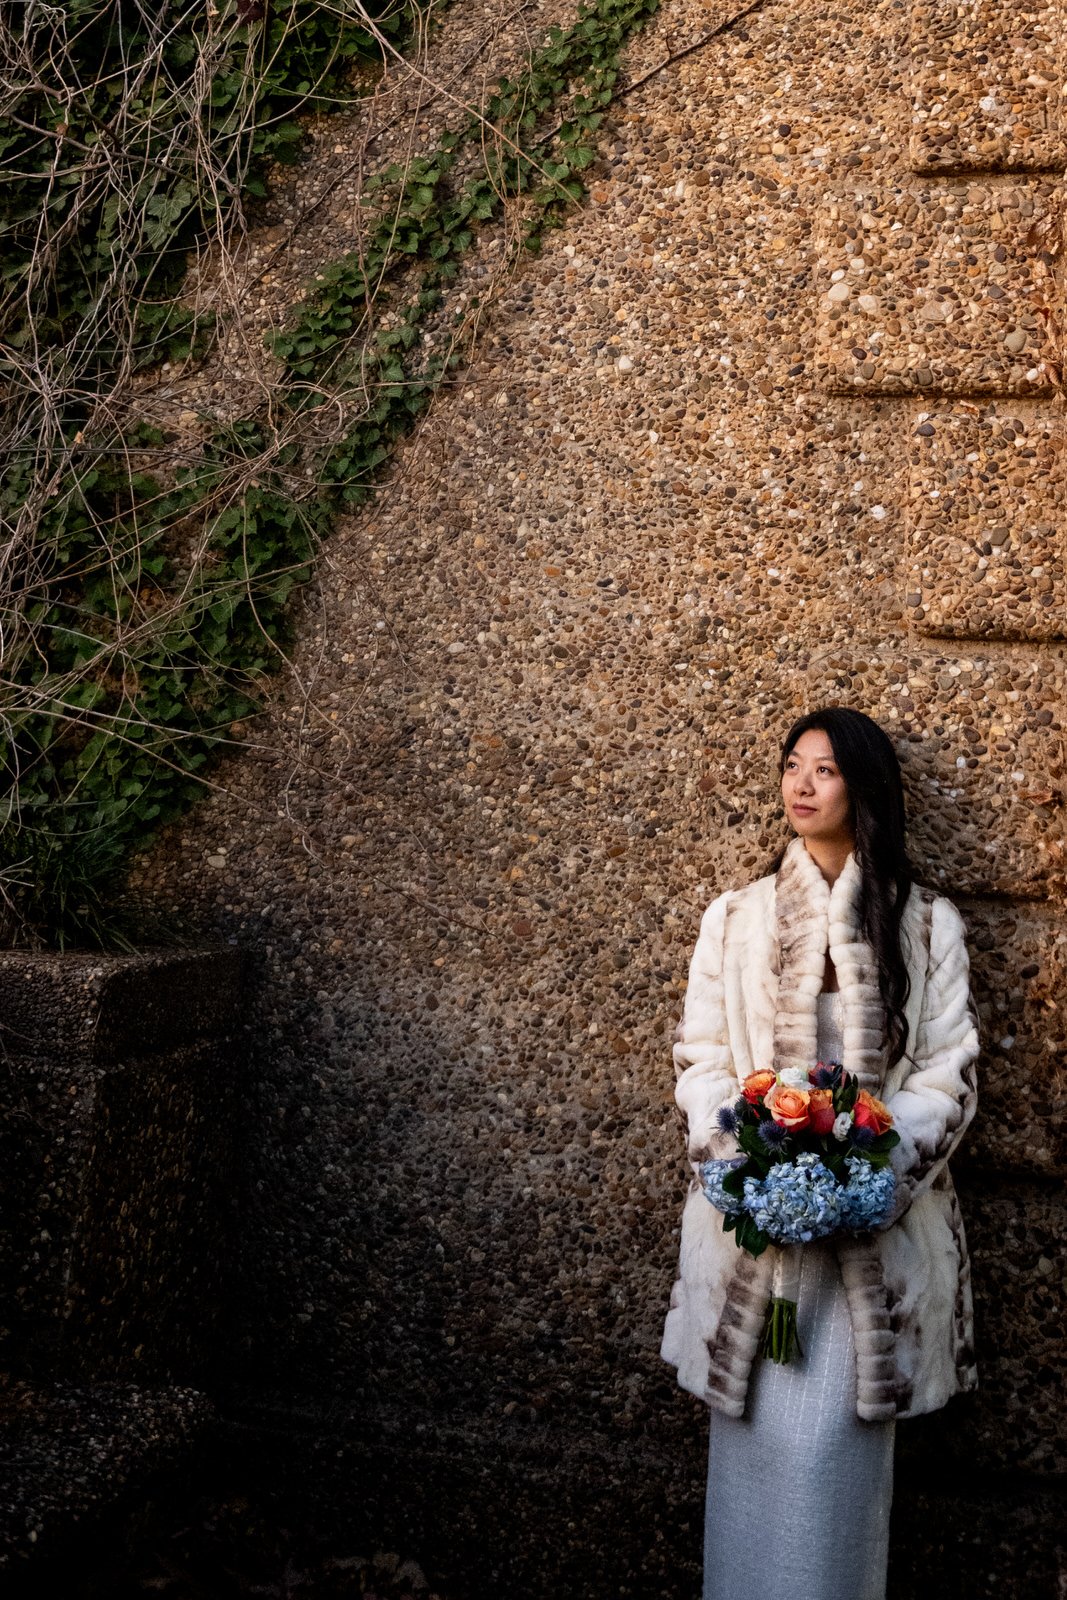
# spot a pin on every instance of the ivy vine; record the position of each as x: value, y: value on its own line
x: 130, y: 131
x: 125, y: 696
x: 429, y: 218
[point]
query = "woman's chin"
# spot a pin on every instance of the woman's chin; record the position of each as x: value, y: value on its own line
x: 806, y: 826
x: 818, y: 830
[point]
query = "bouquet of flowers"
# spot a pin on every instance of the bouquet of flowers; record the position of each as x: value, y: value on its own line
x: 814, y: 1161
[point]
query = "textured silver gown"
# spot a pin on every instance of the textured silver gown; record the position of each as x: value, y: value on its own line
x: 799, y: 1488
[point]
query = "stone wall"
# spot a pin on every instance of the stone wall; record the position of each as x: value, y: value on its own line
x: 776, y: 421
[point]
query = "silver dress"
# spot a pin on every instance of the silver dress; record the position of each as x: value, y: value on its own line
x: 799, y: 1488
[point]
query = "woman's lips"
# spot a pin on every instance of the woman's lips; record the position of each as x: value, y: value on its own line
x: 804, y: 811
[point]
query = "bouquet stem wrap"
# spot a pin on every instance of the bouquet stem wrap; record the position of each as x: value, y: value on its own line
x: 780, y: 1340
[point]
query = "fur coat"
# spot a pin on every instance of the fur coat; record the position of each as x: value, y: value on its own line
x: 754, y: 981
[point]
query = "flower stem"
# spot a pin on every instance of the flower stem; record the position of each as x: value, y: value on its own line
x: 780, y: 1340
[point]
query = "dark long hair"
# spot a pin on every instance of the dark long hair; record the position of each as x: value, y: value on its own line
x: 868, y: 763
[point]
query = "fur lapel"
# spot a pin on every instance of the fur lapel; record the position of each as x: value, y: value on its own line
x: 811, y: 918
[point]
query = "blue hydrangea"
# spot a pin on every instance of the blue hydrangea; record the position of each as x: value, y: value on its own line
x: 796, y: 1202
x: 867, y: 1200
x: 711, y: 1175
x: 801, y: 1200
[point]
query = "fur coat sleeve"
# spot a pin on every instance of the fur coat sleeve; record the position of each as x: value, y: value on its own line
x: 937, y: 1098
x: 703, y: 1062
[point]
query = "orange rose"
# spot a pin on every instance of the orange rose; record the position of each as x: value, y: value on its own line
x: 788, y: 1106
x: 756, y: 1085
x: 871, y: 1113
x: 821, y: 1110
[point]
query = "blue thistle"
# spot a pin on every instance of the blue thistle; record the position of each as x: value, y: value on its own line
x: 727, y: 1119
x: 773, y: 1135
x: 825, y: 1077
x: 862, y: 1138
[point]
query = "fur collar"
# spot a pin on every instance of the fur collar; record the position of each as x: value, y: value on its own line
x: 811, y: 918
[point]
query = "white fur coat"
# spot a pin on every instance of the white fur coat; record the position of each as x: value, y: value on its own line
x: 754, y: 981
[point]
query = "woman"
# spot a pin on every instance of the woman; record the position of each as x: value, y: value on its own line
x: 837, y: 955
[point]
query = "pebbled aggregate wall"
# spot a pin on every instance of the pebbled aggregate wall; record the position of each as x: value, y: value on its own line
x: 776, y: 420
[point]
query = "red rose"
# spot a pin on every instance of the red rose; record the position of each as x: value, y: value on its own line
x: 821, y: 1111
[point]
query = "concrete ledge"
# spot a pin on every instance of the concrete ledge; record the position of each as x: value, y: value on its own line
x: 68, y: 1454
x: 104, y: 1007
x: 117, y: 1083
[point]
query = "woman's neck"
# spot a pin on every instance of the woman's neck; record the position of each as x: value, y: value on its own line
x: 830, y: 855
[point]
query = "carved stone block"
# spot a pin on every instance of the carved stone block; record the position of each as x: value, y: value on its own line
x: 985, y: 524
x: 986, y: 78
x: 940, y: 289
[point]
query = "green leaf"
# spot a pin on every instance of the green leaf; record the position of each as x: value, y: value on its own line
x: 750, y: 1237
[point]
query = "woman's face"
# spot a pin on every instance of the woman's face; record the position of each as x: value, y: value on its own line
x: 814, y: 792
